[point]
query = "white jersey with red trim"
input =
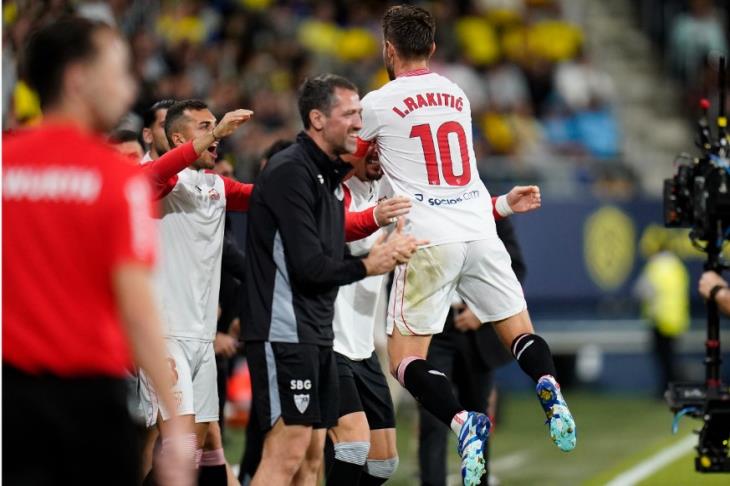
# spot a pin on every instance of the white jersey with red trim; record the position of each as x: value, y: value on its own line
x: 357, y: 304
x: 191, y: 229
x: 421, y: 123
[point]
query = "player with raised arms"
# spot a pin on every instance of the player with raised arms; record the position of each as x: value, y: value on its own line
x: 421, y: 124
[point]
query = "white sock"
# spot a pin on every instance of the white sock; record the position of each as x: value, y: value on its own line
x: 458, y: 421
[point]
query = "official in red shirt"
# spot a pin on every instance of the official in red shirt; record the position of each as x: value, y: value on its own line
x: 78, y: 244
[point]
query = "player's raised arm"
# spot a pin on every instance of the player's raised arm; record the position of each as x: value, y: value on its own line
x: 180, y: 157
x: 521, y: 199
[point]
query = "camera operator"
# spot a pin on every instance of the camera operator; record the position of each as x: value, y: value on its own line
x: 713, y: 287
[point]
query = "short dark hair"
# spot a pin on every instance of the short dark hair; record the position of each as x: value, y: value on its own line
x: 276, y: 147
x: 177, y: 111
x: 318, y: 94
x: 123, y: 135
x: 410, y: 29
x: 53, y: 48
x: 150, y: 115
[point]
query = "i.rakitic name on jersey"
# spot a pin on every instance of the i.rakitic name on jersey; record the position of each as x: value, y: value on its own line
x: 429, y: 99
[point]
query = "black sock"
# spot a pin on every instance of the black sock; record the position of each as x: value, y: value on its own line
x: 252, y: 449
x: 534, y: 356
x: 431, y: 389
x: 368, y: 480
x: 345, y: 473
x: 213, y: 475
x: 329, y: 455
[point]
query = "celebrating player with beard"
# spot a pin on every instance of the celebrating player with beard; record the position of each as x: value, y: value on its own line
x: 421, y: 124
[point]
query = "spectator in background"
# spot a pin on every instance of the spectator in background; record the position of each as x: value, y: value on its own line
x: 693, y: 36
x: 663, y: 288
x: 153, y: 130
x: 127, y: 143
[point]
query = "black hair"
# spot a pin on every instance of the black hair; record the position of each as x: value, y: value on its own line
x: 276, y: 147
x: 53, y: 48
x: 410, y: 29
x: 123, y: 135
x: 177, y: 111
x: 150, y: 115
x: 318, y: 94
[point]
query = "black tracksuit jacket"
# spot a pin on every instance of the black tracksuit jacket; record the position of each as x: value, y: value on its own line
x: 295, y: 247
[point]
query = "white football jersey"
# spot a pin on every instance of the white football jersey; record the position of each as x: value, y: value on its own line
x: 357, y: 304
x: 421, y: 123
x: 192, y: 220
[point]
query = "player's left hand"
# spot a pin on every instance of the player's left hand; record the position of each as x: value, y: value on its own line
x: 466, y: 321
x: 523, y: 199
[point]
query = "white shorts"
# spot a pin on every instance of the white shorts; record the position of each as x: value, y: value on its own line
x: 195, y: 383
x: 479, y: 271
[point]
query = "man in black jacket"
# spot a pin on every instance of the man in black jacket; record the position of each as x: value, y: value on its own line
x: 296, y: 260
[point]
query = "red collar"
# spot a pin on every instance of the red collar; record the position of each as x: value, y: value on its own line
x: 416, y: 72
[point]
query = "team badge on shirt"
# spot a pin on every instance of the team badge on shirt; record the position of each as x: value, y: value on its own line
x: 301, y: 402
x: 214, y: 195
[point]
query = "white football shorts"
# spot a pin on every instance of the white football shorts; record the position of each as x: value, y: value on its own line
x: 195, y: 382
x: 479, y: 271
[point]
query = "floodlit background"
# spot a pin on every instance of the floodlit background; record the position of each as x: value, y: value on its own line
x: 591, y: 99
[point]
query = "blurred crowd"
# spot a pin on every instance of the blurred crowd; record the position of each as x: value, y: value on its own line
x: 540, y: 107
x: 692, y: 35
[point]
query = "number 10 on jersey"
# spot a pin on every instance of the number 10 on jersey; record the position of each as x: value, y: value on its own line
x: 447, y: 166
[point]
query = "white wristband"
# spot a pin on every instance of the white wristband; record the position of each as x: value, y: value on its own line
x: 502, y: 206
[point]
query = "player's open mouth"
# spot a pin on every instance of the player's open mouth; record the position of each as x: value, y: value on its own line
x: 213, y: 151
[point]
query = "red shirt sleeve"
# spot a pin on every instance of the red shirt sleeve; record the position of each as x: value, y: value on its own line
x: 238, y: 194
x: 163, y: 171
x: 132, y: 233
x: 358, y: 224
x: 496, y: 215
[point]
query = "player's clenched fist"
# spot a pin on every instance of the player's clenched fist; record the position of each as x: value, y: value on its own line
x: 522, y: 199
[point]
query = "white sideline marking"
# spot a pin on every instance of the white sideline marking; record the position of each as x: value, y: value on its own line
x: 646, y: 468
x: 510, y: 461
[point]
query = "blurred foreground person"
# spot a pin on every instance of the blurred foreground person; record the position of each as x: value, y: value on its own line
x: 78, y: 245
